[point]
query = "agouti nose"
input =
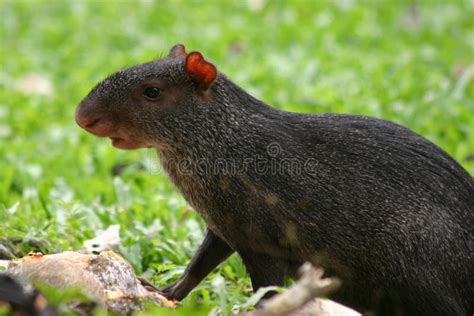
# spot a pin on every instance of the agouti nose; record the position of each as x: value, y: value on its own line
x: 86, y: 122
x: 92, y: 121
x: 84, y: 117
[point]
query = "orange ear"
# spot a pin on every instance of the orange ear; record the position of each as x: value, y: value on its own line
x: 177, y: 50
x: 200, y: 70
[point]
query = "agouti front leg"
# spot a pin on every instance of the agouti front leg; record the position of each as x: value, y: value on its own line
x: 264, y: 270
x: 212, y: 251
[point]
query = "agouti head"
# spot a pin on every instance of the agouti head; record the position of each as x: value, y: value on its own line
x: 135, y: 106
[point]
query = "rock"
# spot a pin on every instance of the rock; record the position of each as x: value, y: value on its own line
x: 106, y: 277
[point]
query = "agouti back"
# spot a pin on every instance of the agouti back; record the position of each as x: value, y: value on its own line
x: 384, y: 209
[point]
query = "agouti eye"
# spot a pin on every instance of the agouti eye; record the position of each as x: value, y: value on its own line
x: 152, y: 92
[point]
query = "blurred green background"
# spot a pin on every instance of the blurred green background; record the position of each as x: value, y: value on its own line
x: 411, y: 62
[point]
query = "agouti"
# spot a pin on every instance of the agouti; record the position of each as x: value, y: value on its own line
x: 384, y: 209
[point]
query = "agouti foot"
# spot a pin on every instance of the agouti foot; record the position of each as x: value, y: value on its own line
x: 167, y: 293
x: 150, y: 287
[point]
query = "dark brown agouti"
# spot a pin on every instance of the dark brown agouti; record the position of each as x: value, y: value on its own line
x: 384, y: 209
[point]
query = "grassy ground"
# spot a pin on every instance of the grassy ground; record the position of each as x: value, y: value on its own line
x: 407, y: 61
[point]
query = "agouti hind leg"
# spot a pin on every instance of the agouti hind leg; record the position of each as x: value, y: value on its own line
x: 210, y: 254
x: 264, y: 270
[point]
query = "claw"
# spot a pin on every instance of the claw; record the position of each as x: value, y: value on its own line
x: 150, y: 287
x: 146, y: 284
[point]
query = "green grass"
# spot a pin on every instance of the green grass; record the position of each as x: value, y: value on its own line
x: 410, y: 64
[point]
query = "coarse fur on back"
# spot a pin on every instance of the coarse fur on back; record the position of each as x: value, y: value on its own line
x: 370, y: 201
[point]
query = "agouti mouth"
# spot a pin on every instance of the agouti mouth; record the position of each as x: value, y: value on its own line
x: 116, y: 140
x: 127, y: 144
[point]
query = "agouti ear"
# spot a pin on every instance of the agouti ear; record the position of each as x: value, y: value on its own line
x: 177, y: 50
x: 203, y: 72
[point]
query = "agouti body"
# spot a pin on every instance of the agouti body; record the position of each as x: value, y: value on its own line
x: 382, y: 208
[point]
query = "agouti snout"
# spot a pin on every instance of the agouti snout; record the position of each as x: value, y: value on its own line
x: 387, y: 211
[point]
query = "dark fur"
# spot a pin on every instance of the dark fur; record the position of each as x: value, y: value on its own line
x: 22, y: 299
x: 384, y: 209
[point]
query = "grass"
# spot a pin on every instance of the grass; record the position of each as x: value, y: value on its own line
x: 411, y: 62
